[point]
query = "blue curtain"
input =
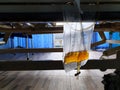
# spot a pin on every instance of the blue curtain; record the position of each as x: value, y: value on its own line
x: 96, y: 38
x: 7, y: 45
x: 43, y: 41
x: 115, y: 36
x: 46, y: 41
x: 39, y: 41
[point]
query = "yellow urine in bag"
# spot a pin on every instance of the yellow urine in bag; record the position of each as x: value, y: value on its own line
x: 76, y: 56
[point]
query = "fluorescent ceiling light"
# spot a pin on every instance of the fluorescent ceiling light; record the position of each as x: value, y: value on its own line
x: 59, y: 23
x: 2, y: 42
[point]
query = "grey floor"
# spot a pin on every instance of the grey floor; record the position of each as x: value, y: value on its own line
x: 51, y: 79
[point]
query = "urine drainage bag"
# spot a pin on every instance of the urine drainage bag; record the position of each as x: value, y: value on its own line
x: 77, y: 42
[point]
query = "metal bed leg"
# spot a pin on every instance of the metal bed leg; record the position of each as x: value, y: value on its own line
x: 18, y: 42
x: 12, y: 44
x: 27, y: 47
x: 32, y: 45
